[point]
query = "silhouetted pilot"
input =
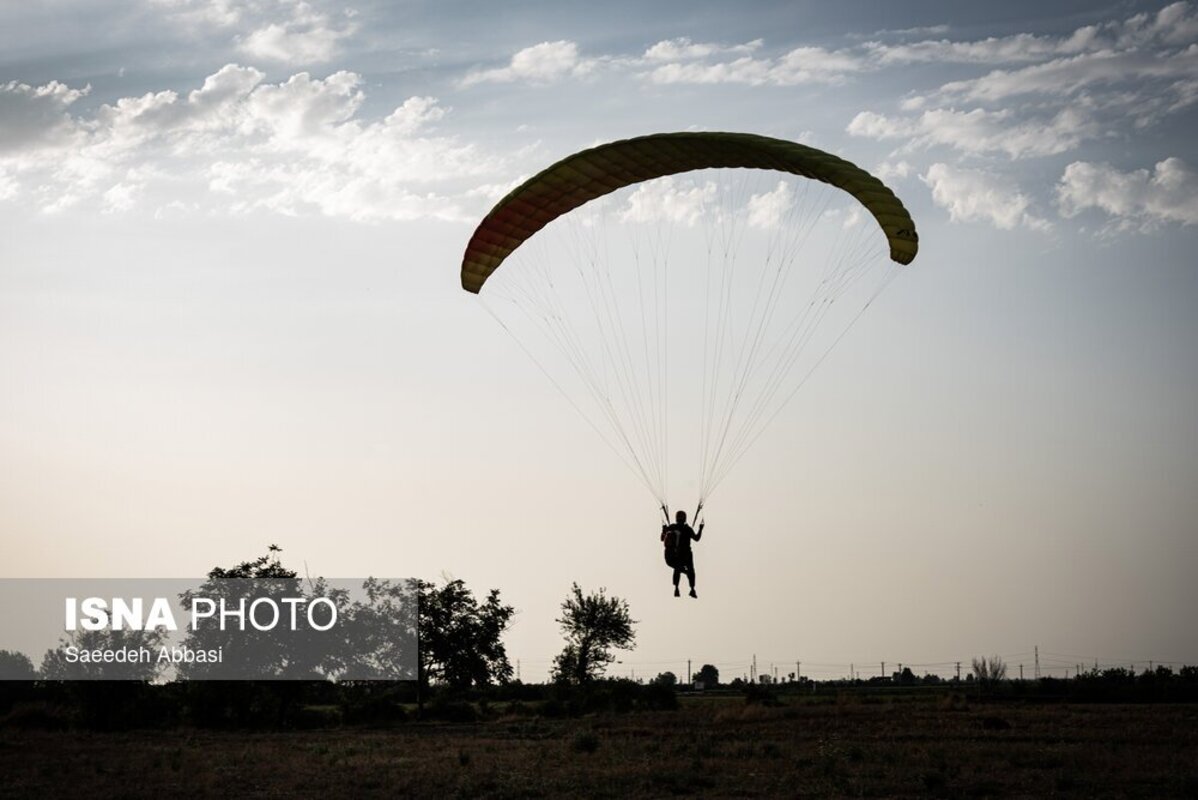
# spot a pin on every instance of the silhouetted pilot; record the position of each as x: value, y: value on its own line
x: 677, y: 539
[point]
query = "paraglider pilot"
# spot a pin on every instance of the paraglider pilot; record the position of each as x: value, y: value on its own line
x: 677, y: 539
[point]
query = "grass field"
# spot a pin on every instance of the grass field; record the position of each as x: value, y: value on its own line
x: 711, y: 746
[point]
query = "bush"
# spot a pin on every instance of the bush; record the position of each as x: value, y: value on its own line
x: 659, y: 697
x: 760, y: 694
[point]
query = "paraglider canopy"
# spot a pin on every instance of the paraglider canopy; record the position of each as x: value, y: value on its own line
x: 584, y: 176
x: 776, y: 272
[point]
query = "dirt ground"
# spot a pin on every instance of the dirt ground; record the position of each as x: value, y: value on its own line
x: 710, y: 748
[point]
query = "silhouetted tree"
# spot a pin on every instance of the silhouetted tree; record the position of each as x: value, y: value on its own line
x: 267, y: 566
x: 460, y: 638
x: 593, y: 626
x: 709, y: 675
x: 250, y: 653
x: 666, y: 679
x: 16, y: 666
x: 56, y: 666
x: 989, y: 671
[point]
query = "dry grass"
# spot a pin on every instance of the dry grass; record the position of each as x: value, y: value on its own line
x: 718, y: 748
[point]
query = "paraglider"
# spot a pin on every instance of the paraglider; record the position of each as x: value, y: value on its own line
x: 677, y: 538
x: 686, y: 279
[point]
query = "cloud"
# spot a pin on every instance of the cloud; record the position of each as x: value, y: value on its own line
x: 283, y: 31
x: 669, y: 199
x: 1069, y: 76
x: 798, y: 66
x: 767, y: 210
x: 976, y: 196
x: 1137, y: 199
x: 1021, y: 47
x: 979, y: 131
x: 683, y: 49
x: 893, y: 169
x: 239, y: 143
x: 8, y: 186
x: 921, y: 30
x: 36, y: 116
x: 219, y: 13
x: 1174, y: 24
x: 120, y: 197
x: 540, y: 64
x: 1134, y: 43
x: 307, y: 37
x: 1109, y: 80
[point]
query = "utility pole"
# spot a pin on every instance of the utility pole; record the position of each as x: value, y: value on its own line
x: 958, y: 672
x: 753, y: 672
x: 1020, y: 672
x: 797, y: 674
x: 517, y: 669
x: 1036, y: 649
x: 688, y: 672
x: 883, y: 670
x: 852, y: 673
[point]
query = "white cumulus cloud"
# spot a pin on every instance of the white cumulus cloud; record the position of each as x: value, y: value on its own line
x: 239, y: 143
x: 36, y: 115
x: 306, y: 37
x: 972, y: 195
x: 1140, y: 198
x: 767, y: 210
x: 542, y: 63
x: 669, y: 199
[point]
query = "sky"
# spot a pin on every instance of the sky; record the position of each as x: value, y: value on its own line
x: 230, y: 316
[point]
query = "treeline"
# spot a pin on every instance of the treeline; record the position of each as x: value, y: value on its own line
x: 464, y: 674
x: 1113, y: 685
x: 273, y: 705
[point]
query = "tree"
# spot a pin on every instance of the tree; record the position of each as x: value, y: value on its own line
x: 666, y: 679
x: 460, y: 638
x: 267, y: 566
x: 15, y: 666
x: 251, y: 653
x: 708, y: 675
x: 57, y: 667
x: 989, y: 671
x: 593, y: 625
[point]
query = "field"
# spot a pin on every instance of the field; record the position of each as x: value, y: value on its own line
x: 711, y: 746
